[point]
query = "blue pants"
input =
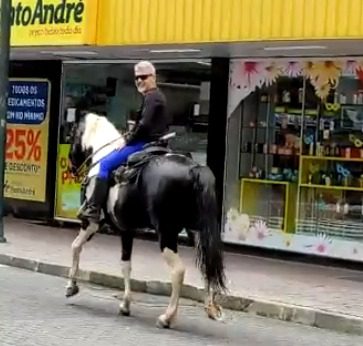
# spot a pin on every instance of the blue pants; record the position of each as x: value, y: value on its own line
x: 117, y: 158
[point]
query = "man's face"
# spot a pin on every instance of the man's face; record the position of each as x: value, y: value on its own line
x: 144, y: 82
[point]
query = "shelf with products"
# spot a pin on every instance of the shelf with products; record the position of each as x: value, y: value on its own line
x: 330, y: 187
x: 270, y: 151
x: 331, y: 173
x: 332, y: 153
x: 270, y: 132
x: 332, y: 158
x: 331, y: 169
x: 339, y: 124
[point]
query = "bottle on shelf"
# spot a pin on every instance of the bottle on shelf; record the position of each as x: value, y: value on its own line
x: 346, y: 208
x: 347, y: 153
x: 311, y: 149
x: 336, y: 97
x: 342, y: 98
x: 355, y: 99
x: 301, y: 93
x: 286, y: 97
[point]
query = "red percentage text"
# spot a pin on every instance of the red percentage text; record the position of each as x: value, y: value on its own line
x: 23, y: 144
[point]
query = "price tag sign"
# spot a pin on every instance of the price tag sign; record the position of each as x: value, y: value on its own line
x: 27, y: 139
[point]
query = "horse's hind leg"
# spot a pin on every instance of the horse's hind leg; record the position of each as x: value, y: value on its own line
x: 77, y: 245
x: 127, y: 238
x: 168, y: 246
x: 213, y: 310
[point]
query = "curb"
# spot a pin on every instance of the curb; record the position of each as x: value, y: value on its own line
x: 275, y: 310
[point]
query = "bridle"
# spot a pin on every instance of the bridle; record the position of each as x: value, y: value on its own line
x: 81, y: 169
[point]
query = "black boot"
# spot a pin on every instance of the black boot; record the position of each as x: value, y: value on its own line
x: 98, y: 199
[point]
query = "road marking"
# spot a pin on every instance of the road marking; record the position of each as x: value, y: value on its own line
x: 3, y: 266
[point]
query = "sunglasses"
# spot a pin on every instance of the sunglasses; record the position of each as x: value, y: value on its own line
x: 142, y: 77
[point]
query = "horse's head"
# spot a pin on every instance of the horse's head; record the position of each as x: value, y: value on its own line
x: 78, y: 151
x: 91, y: 133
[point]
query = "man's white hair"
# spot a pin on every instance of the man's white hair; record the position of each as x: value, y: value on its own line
x: 144, y: 68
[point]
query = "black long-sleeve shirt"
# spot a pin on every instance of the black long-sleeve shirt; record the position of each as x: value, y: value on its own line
x: 153, y: 119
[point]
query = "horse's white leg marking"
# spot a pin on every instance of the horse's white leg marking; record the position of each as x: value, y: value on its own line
x: 77, y: 246
x: 177, y: 277
x: 125, y: 304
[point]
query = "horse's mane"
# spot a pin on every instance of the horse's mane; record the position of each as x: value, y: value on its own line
x: 98, y: 131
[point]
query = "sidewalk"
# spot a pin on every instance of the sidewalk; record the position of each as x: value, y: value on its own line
x: 309, y: 294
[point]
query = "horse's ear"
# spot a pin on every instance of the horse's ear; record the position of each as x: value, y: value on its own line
x: 82, y: 109
x: 80, y: 115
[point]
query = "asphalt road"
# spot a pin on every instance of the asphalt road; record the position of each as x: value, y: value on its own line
x: 34, y: 311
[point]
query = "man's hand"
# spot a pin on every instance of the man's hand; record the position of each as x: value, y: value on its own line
x: 119, y: 144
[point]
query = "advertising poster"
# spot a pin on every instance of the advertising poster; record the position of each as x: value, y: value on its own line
x: 68, y: 188
x: 27, y: 139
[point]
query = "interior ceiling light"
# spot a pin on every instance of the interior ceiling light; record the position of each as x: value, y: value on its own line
x: 187, y: 50
x: 294, y: 48
x: 70, y: 53
x: 205, y: 63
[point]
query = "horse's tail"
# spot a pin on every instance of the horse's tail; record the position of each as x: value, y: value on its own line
x: 209, y: 250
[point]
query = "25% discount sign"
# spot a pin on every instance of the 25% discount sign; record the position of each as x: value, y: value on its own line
x: 23, y: 144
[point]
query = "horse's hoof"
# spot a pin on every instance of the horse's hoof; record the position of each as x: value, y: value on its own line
x: 124, y: 311
x: 72, y: 291
x: 215, y: 312
x: 125, y: 308
x: 163, y: 322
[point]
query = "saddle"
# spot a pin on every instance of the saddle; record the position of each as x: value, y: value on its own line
x: 129, y: 172
x: 126, y: 173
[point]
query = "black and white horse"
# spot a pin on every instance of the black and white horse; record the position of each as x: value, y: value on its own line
x: 171, y: 193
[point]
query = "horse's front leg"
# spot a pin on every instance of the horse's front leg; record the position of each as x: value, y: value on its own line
x: 177, y: 267
x: 127, y: 238
x: 77, y: 245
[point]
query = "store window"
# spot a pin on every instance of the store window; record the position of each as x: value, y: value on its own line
x: 109, y: 89
x: 294, y: 167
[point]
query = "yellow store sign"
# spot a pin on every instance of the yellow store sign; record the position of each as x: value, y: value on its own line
x: 53, y: 22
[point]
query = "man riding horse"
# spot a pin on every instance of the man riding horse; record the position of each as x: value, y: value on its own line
x: 152, y: 123
x: 170, y: 193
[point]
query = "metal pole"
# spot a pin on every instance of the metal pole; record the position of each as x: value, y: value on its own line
x: 4, y: 81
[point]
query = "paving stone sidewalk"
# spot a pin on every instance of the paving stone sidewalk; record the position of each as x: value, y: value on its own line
x: 276, y: 283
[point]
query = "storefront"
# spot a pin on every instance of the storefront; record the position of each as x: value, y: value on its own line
x: 34, y: 97
x: 63, y: 36
x: 294, y: 163
x: 289, y: 162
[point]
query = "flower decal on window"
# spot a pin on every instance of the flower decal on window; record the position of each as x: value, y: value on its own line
x: 260, y: 230
x: 238, y: 224
x: 322, y: 244
x: 292, y: 69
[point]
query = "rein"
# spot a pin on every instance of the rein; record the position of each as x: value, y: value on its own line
x: 89, y: 157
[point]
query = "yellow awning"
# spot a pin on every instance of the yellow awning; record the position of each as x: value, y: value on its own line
x: 123, y: 22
